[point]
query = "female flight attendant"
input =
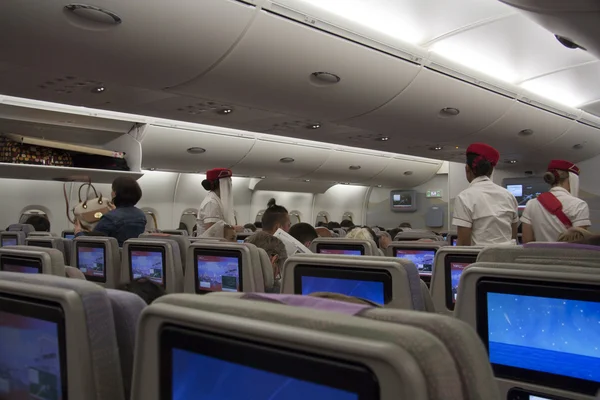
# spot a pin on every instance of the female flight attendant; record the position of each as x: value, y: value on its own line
x: 553, y: 212
x: 218, y: 203
x: 484, y: 213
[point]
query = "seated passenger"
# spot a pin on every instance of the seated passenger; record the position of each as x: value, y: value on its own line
x: 39, y: 222
x: 333, y: 225
x: 366, y: 233
x: 394, y: 232
x: 250, y: 227
x: 277, y: 254
x: 221, y: 230
x: 344, y: 298
x: 321, y: 224
x: 275, y: 217
x: 258, y: 225
x: 347, y: 224
x: 145, y: 288
x: 304, y: 233
x: 575, y: 235
x: 125, y: 221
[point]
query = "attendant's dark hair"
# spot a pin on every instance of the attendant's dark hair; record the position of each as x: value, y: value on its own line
x: 480, y: 168
x: 273, y: 214
x: 553, y: 179
x: 210, y: 185
x: 127, y: 191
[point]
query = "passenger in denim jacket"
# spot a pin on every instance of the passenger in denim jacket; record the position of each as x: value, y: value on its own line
x: 125, y: 221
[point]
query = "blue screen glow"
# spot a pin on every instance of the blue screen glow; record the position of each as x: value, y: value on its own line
x: 544, y: 334
x: 370, y: 290
x: 196, y: 376
x: 346, y: 252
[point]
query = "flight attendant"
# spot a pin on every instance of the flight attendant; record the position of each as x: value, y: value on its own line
x: 484, y: 213
x: 218, y: 203
x: 553, y: 212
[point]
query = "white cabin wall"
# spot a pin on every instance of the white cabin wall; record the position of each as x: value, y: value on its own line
x: 157, y: 195
x: 379, y: 212
x: 293, y: 201
x: 340, y: 199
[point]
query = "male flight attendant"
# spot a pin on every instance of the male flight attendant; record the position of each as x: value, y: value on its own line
x: 485, y: 213
x: 553, y: 212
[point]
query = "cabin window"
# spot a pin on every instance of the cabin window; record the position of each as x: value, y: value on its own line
x: 28, y: 213
x: 348, y: 216
x: 259, y: 216
x: 188, y: 218
x: 151, y: 220
x: 295, y: 217
x: 322, y: 216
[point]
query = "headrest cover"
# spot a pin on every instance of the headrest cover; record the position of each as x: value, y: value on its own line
x: 485, y: 151
x: 563, y: 165
x: 218, y: 173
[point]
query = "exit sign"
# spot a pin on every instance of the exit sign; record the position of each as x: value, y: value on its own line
x: 434, y: 193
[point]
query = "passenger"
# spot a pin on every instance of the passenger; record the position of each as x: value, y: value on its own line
x: 250, y: 227
x: 323, y: 232
x: 366, y: 233
x: 321, y: 224
x: 222, y: 231
x: 394, y: 232
x: 258, y: 225
x: 484, y: 213
x: 347, y: 224
x: 218, y: 203
x: 304, y: 233
x: 344, y: 298
x: 275, y: 217
x: 575, y: 235
x: 145, y: 288
x: 333, y: 225
x: 39, y: 222
x: 183, y: 227
x: 125, y: 221
x: 277, y: 254
x: 405, y: 226
x: 546, y: 217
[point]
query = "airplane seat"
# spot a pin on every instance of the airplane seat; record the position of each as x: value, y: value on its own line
x: 183, y: 243
x: 401, y: 361
x: 74, y: 273
x: 41, y: 234
x: 334, y: 245
x: 381, y: 253
x: 12, y: 238
x: 127, y: 308
x: 414, y: 235
x: 99, y: 258
x: 155, y: 258
x: 393, y: 283
x: 266, y: 269
x: 25, y: 228
x: 539, y: 323
x: 32, y: 260
x: 427, y: 299
x: 543, y: 253
x: 176, y: 232
x: 422, y: 254
x: 209, y: 262
x: 76, y: 320
x: 49, y: 242
x: 449, y: 264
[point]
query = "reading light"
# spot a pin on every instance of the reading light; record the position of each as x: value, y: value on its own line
x: 196, y: 150
x: 98, y: 89
x: 511, y: 161
x: 314, y: 126
x: 354, y: 167
x: 286, y: 160
x: 152, y: 169
x: 525, y: 132
x: 436, y: 148
x: 383, y: 139
x: 225, y: 111
x: 262, y: 177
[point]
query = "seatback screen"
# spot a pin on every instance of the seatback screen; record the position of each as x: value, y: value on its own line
x: 373, y: 285
x: 32, y: 351
x: 68, y: 235
x: 149, y: 262
x: 19, y: 264
x: 8, y: 241
x: 422, y: 258
x: 199, y: 364
x: 47, y: 245
x: 454, y: 265
x: 344, y: 249
x: 218, y: 271
x: 541, y: 333
x: 91, y: 260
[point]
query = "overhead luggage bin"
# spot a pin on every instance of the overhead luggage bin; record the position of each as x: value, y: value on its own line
x: 144, y: 43
x: 351, y: 166
x: 580, y: 142
x: 272, y: 68
x: 407, y: 172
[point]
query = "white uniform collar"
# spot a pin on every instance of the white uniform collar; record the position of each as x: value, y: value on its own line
x: 560, y: 189
x: 479, y: 179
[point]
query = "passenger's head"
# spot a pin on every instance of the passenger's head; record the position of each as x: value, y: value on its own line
x: 344, y: 298
x: 394, y: 232
x: 364, y: 233
x: 258, y: 225
x: 321, y: 224
x: 275, y: 250
x: 39, y: 222
x: 481, y: 160
x: 126, y: 192
x: 145, y: 288
x: 304, y: 233
x: 564, y: 174
x: 575, y: 235
x: 275, y: 217
x: 346, y: 223
x: 333, y: 225
x: 213, y: 177
x: 251, y: 227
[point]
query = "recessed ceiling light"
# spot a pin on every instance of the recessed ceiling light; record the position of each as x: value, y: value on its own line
x: 383, y: 139
x: 98, y: 89
x: 196, y: 150
x: 354, y: 167
x: 225, y: 111
x: 525, y: 132
x: 436, y: 148
x: 324, y: 78
x: 314, y: 126
x: 379, y: 185
x: 307, y: 180
x: 449, y: 112
x: 511, y: 161
x: 578, y: 146
x: 407, y: 173
x: 286, y: 160
x: 344, y: 183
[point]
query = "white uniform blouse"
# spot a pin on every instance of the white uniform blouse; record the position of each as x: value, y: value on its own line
x: 210, y: 211
x: 547, y: 227
x: 489, y: 210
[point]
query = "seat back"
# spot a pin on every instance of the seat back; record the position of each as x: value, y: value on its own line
x: 543, y: 253
x: 99, y: 258
x: 393, y: 282
x: 75, y: 321
x: 25, y: 228
x: 183, y: 242
x: 68, y: 235
x: 414, y: 235
x: 345, y: 246
x: 41, y: 234
x: 209, y: 262
x: 420, y: 254
x: 405, y: 362
x: 12, y: 238
x: 449, y: 264
x: 50, y: 242
x: 539, y: 323
x: 176, y: 232
x: 157, y: 259
x: 32, y: 260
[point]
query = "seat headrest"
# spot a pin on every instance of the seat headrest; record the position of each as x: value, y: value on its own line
x: 53, y: 262
x: 27, y: 228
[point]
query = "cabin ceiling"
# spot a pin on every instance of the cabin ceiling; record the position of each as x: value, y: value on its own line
x: 249, y: 65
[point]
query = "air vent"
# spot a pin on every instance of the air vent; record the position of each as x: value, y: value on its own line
x: 93, y: 14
